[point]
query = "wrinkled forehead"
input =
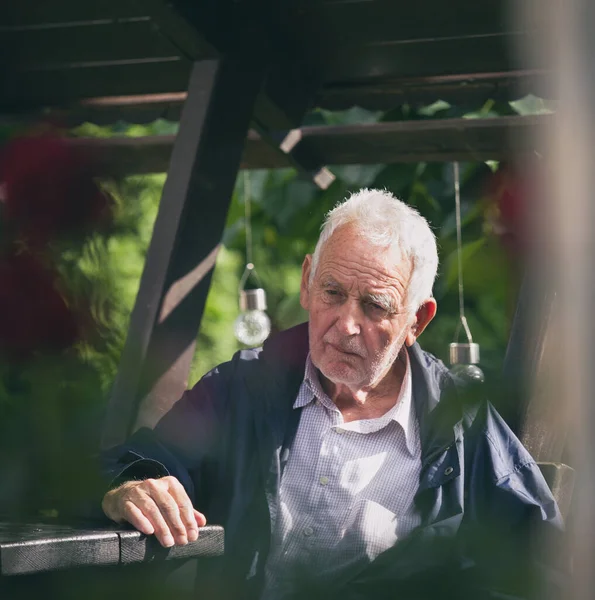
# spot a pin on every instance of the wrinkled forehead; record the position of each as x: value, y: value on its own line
x: 350, y: 242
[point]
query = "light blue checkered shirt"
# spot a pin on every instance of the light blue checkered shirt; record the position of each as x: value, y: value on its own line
x: 347, y: 490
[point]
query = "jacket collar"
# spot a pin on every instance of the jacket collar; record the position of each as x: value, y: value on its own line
x: 437, y: 403
x: 436, y: 395
x: 275, y: 385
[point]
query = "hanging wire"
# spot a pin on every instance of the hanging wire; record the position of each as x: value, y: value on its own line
x: 463, y: 319
x: 248, y: 218
x: 249, y: 269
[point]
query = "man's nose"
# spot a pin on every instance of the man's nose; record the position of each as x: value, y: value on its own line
x: 348, y: 322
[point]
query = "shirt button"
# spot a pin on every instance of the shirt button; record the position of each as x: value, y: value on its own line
x: 308, y: 531
x: 339, y: 431
x: 448, y: 470
x: 324, y: 480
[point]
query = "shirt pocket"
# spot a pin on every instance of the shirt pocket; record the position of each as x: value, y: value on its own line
x: 369, y: 529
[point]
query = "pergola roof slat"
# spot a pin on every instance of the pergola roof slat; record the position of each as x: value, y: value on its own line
x: 63, y: 55
x: 439, y: 140
x: 62, y: 87
x: 95, y: 41
x: 389, y: 20
x: 33, y: 12
x: 432, y: 57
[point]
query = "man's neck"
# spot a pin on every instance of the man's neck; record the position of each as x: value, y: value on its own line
x: 368, y: 402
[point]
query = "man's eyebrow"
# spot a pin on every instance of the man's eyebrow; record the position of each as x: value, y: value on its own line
x: 384, y: 300
x: 332, y: 283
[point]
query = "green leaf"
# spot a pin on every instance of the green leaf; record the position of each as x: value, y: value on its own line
x: 532, y: 105
x: 468, y: 252
x: 433, y: 109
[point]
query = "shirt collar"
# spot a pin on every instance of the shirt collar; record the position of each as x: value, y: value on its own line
x: 402, y: 413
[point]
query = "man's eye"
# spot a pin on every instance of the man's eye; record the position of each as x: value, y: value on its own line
x: 331, y: 292
x: 376, y: 308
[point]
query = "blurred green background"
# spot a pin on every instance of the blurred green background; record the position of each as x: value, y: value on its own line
x: 51, y: 407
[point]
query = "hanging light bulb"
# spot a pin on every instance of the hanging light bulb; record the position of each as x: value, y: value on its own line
x: 253, y: 326
x: 463, y: 357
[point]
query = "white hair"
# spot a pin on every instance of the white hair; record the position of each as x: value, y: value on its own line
x: 386, y: 222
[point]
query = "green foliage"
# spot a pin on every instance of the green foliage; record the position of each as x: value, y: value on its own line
x: 286, y: 218
x: 216, y: 343
x: 62, y: 397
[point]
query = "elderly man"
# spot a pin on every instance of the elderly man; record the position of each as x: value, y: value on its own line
x: 341, y: 458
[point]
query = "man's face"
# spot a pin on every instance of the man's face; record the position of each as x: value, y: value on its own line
x: 357, y: 304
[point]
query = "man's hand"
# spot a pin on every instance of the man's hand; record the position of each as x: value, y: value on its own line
x: 159, y: 506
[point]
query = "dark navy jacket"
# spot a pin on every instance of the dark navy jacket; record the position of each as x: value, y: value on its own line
x: 487, y: 512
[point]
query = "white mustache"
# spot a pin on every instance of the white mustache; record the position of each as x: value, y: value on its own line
x: 349, y: 344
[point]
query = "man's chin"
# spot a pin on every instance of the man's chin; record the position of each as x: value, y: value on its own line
x: 341, y: 373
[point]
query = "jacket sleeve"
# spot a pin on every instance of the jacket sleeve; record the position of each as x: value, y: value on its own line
x: 502, y: 549
x: 183, y: 440
x: 516, y: 525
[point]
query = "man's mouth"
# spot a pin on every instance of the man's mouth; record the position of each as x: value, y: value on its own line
x: 343, y: 350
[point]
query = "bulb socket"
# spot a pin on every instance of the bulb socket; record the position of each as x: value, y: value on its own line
x: 253, y: 300
x: 464, y: 354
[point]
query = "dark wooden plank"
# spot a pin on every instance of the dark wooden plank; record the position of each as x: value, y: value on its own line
x: 260, y: 154
x: 91, y: 42
x: 201, y: 178
x: 131, y: 109
x: 63, y: 87
x: 188, y: 229
x: 27, y: 13
x: 469, y: 90
x: 432, y: 140
x: 126, y: 394
x: 348, y: 23
x: 119, y: 157
x: 136, y: 547
x: 450, y: 56
x: 179, y: 31
x: 36, y: 547
x: 461, y: 90
x: 379, y: 143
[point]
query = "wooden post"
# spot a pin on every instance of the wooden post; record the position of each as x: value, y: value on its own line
x: 164, y: 323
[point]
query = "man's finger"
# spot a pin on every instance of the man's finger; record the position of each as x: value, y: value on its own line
x: 137, y: 519
x: 153, y: 513
x: 177, y: 491
x: 169, y: 510
x: 201, y: 520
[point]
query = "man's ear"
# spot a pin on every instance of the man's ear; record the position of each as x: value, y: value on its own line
x: 425, y: 313
x: 305, y: 284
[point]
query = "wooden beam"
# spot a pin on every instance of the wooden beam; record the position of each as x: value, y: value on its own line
x: 467, y: 90
x: 61, y: 45
x: 29, y: 90
x: 32, y: 13
x: 436, y: 140
x: 471, y: 90
x: 433, y: 140
x: 164, y: 323
x: 174, y: 28
x: 421, y: 58
x: 385, y: 20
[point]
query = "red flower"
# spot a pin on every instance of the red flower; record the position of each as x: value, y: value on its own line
x: 509, y: 191
x: 33, y: 315
x: 48, y: 188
